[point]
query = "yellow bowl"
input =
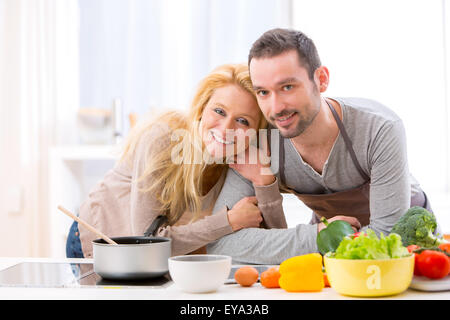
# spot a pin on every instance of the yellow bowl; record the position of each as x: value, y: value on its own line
x: 369, y: 278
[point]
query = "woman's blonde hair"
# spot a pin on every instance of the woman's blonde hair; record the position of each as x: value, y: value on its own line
x: 178, y: 185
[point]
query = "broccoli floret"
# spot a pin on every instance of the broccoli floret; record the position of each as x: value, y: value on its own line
x: 416, y: 226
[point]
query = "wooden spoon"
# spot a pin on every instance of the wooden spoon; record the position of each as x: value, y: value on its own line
x: 87, y: 226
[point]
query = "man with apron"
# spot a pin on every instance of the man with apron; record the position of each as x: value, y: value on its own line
x: 344, y: 158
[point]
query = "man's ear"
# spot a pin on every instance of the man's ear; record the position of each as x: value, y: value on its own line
x: 322, y: 78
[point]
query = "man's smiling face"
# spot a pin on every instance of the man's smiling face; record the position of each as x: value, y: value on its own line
x: 288, y: 98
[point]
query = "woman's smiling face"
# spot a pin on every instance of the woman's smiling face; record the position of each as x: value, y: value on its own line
x: 229, y: 114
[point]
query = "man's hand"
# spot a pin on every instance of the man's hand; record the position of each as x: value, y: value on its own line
x: 356, y: 225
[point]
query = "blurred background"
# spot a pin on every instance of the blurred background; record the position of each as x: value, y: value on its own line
x: 75, y: 75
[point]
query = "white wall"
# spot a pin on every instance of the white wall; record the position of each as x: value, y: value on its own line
x: 38, y: 102
x: 13, y: 224
x: 152, y: 54
x: 393, y: 52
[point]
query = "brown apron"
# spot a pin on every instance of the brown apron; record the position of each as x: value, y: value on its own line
x: 353, y: 202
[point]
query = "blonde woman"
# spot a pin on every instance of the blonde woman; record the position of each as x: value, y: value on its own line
x: 173, y: 167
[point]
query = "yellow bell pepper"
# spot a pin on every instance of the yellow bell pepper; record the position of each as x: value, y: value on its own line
x: 302, y: 273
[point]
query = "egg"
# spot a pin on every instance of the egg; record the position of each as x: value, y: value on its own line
x: 246, y: 276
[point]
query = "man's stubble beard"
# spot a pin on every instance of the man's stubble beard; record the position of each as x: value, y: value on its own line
x: 302, y: 125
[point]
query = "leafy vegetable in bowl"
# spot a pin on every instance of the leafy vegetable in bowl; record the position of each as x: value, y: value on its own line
x: 368, y: 246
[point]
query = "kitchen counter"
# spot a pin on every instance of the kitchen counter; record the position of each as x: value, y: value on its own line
x: 171, y: 292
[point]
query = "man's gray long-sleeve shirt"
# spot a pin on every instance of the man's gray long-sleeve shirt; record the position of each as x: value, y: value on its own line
x: 379, y: 142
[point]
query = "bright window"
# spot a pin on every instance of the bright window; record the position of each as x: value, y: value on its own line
x: 394, y: 52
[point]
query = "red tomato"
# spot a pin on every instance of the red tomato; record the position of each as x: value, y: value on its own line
x: 445, y: 247
x: 433, y: 264
x: 411, y: 248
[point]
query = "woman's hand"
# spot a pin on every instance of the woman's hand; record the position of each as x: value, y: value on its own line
x: 254, y: 165
x: 245, y: 214
x: 356, y: 225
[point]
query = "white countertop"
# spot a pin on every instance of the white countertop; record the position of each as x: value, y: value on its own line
x: 171, y: 292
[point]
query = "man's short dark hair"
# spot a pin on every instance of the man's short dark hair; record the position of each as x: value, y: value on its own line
x: 277, y: 41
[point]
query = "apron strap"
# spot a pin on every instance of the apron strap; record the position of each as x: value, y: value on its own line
x: 348, y: 142
x: 281, y: 159
x: 280, y: 151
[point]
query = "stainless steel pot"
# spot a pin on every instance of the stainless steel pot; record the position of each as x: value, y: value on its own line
x: 132, y: 257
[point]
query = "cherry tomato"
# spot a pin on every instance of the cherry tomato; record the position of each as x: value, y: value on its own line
x: 433, y: 264
x: 412, y: 247
x: 270, y: 277
x: 326, y: 281
x: 445, y: 247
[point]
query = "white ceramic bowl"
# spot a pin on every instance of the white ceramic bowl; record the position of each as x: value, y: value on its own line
x: 199, y: 273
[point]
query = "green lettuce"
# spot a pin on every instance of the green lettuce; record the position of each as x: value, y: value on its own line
x: 369, y: 246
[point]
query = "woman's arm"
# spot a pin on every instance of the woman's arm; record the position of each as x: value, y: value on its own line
x: 189, y: 237
x: 115, y: 205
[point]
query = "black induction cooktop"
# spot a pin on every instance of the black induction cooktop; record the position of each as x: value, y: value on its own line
x: 68, y: 275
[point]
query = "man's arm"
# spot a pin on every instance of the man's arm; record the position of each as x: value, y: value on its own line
x: 390, y: 186
x: 255, y: 245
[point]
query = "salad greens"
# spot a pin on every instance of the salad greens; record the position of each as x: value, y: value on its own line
x: 368, y: 246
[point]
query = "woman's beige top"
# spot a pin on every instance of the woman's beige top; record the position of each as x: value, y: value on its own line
x: 117, y: 207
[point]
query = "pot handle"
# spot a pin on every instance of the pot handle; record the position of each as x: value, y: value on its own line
x: 160, y: 220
